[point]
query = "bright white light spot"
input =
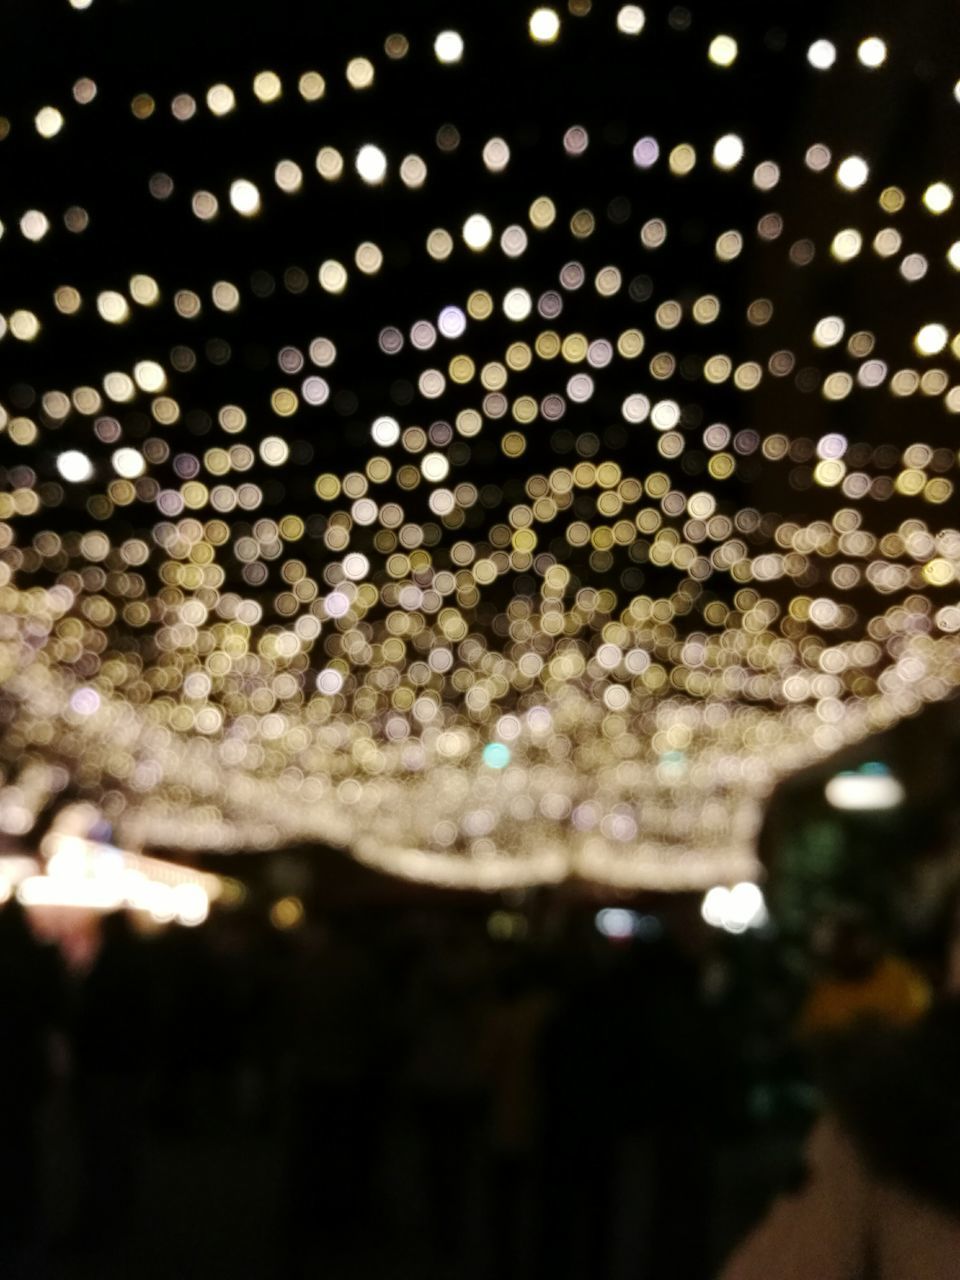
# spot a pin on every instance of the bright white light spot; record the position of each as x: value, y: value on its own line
x: 631, y: 19
x: 938, y: 197
x: 75, y: 466
x: 736, y: 909
x: 149, y: 375
x: 435, y: 467
x: 128, y: 463
x: 723, y: 51
x: 85, y: 701
x: 544, y: 25
x: 244, y: 197
x: 452, y: 322
x: 517, y: 304
x: 477, y: 231
x: 931, y: 339
x: 822, y: 54
x: 386, y: 431
x: 49, y: 122
x: 953, y: 255
x: 34, y: 225
x: 852, y: 172
x: 872, y: 52
x: 448, y: 46
x: 728, y: 151
x: 330, y: 681
x: 191, y: 903
x: 874, y: 789
x: 616, y: 922
x: 371, y: 164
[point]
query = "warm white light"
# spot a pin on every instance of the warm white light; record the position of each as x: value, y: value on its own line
x: 517, y: 304
x: 852, y: 172
x: 371, y: 163
x: 49, y: 122
x: 723, y: 51
x: 128, y: 463
x: 244, y: 197
x: 631, y: 19
x: 736, y: 909
x: 544, y: 25
x: 953, y: 255
x: 435, y: 467
x: 477, y: 231
x: 822, y: 54
x: 34, y: 225
x: 113, y: 306
x: 872, y: 52
x: 931, y: 339
x: 385, y: 431
x: 448, y: 46
x: 74, y: 466
x: 728, y: 151
x: 938, y: 197
x: 864, y: 791
x: 149, y: 375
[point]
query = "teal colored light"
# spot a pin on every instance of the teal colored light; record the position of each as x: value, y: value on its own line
x: 496, y: 755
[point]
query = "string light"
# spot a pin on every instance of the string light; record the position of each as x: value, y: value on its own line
x: 483, y: 587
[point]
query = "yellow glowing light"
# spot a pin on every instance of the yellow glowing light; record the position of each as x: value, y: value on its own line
x: 329, y: 163
x: 852, y: 173
x: 48, y: 121
x: 846, y: 244
x: 221, y: 99
x: 312, y: 86
x: 144, y: 290
x: 544, y: 25
x: 448, y: 47
x: 872, y: 52
x: 728, y: 151
x: 930, y: 339
x: 722, y: 51
x: 244, y: 197
x: 953, y: 255
x: 371, y: 164
x: 938, y: 197
x: 477, y: 231
x: 267, y: 86
x: 287, y: 913
x: 360, y: 73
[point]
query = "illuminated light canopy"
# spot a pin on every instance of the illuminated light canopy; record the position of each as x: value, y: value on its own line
x: 872, y: 52
x: 728, y: 151
x: 74, y: 466
x: 371, y: 164
x: 872, y: 786
x: 822, y: 54
x: 544, y: 25
x: 448, y: 47
x: 938, y: 197
x: 244, y: 197
x: 723, y: 51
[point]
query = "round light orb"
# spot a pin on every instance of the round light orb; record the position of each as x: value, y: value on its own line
x: 448, y: 46
x: 244, y: 197
x: 852, y: 173
x: 723, y: 51
x: 631, y: 20
x: 938, y: 197
x: 49, y: 122
x: 371, y: 164
x: 496, y: 755
x: 822, y: 54
x: 728, y: 151
x: 128, y: 463
x: 544, y: 25
x: 930, y: 340
x: 74, y: 466
x: 477, y: 231
x: 872, y: 52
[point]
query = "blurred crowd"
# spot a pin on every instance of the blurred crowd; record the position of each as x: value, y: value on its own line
x: 414, y: 1094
